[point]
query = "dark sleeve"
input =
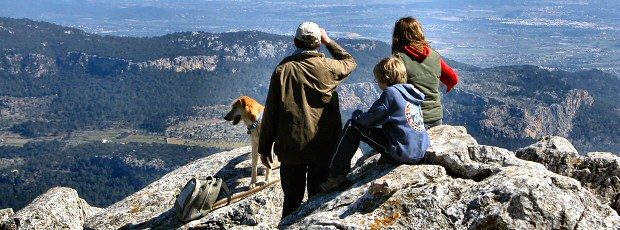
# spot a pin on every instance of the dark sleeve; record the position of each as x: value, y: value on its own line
x: 269, y: 124
x: 378, y: 113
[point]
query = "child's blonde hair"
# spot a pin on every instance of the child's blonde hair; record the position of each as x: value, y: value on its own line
x: 390, y: 71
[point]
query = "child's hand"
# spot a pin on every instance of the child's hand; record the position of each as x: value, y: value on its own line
x: 356, y: 114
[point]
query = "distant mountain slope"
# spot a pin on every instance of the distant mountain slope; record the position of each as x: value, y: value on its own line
x: 515, y: 104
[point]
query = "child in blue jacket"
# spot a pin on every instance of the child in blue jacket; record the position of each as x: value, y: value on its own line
x: 393, y: 126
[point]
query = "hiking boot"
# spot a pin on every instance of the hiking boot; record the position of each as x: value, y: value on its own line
x: 333, y: 183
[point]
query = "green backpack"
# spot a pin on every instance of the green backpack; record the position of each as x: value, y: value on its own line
x: 197, y: 197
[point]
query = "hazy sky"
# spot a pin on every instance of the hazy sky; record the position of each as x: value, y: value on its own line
x: 349, y: 18
x: 482, y: 32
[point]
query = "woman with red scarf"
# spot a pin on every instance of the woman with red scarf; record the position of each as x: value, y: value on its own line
x: 425, y: 67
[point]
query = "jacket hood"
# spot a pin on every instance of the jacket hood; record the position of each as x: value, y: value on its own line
x: 410, y: 93
x: 416, y: 55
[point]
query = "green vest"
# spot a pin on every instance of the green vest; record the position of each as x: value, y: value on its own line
x: 425, y: 77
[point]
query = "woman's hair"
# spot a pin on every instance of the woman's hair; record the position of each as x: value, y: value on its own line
x: 390, y: 71
x: 408, y: 32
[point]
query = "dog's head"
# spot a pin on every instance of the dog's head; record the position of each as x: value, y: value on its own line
x: 243, y: 108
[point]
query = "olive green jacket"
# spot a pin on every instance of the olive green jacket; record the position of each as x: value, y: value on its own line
x: 424, y: 76
x: 302, y: 113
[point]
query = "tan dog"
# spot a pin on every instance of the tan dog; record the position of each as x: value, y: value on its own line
x: 250, y: 112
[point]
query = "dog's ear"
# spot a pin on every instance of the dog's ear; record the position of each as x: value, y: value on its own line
x: 245, y: 102
x: 239, y: 103
x: 251, y: 107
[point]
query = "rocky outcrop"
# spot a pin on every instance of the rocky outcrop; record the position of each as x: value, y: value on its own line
x: 249, y: 53
x: 35, y: 65
x: 58, y: 208
x: 152, y: 206
x: 531, y: 121
x: 100, y: 65
x: 597, y: 171
x: 6, y: 219
x: 556, y: 118
x: 219, y: 49
x: 179, y: 64
x: 516, y: 194
x: 357, y: 96
x: 461, y: 185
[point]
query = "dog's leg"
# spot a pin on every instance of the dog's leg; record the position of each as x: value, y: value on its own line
x: 254, y: 164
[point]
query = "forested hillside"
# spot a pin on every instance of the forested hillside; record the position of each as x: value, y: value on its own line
x: 97, y: 81
x: 103, y: 173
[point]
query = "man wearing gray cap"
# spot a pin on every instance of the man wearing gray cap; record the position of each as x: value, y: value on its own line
x: 302, y: 113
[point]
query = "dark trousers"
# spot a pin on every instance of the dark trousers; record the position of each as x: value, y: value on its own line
x: 432, y: 124
x: 294, y: 179
x: 348, y: 142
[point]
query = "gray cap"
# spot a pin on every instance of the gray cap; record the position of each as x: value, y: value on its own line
x: 308, y: 32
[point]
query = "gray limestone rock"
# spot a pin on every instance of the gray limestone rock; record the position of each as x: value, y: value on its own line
x: 58, y: 208
x: 597, y: 171
x: 6, y: 219
x: 461, y: 156
x: 513, y: 194
x: 152, y: 207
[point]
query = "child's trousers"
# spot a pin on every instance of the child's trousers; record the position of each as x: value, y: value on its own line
x: 349, y: 140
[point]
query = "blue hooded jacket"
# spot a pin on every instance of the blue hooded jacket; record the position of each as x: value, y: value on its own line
x: 398, y: 112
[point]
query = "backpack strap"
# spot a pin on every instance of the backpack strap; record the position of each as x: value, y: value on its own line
x: 212, y: 191
x: 227, y: 191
